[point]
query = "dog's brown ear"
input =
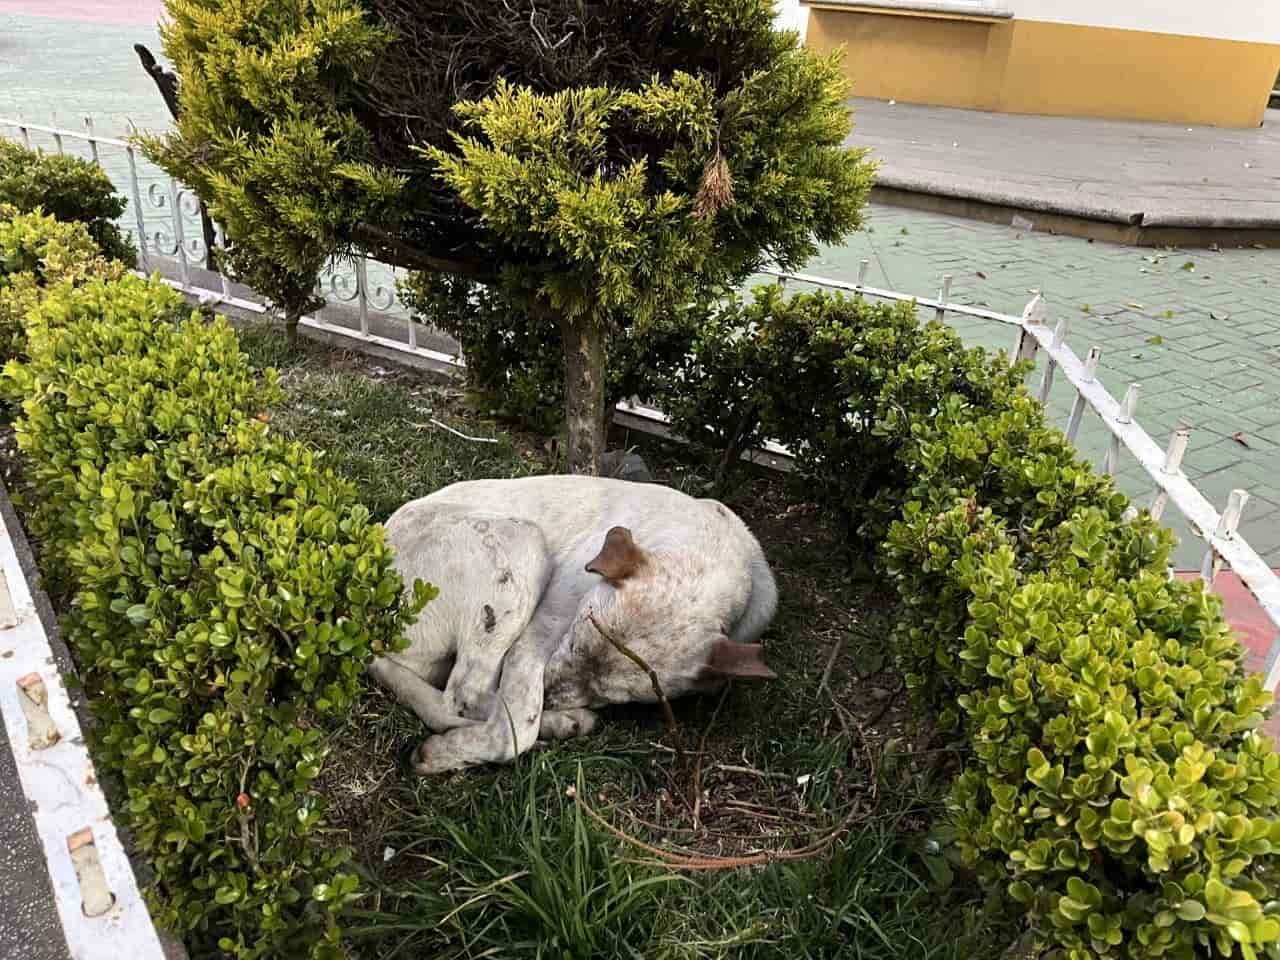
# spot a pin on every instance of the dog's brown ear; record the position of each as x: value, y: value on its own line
x: 619, y: 558
x: 730, y: 659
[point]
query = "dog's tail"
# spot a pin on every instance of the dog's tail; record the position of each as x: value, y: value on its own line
x: 761, y: 605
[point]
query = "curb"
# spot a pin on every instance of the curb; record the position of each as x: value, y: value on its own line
x: 93, y: 886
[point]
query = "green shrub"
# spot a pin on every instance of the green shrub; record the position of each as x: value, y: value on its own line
x: 224, y: 592
x: 37, y: 251
x: 839, y: 381
x: 1117, y: 785
x: 67, y: 188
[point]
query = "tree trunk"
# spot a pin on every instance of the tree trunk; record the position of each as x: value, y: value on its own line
x: 291, y: 330
x: 584, y: 395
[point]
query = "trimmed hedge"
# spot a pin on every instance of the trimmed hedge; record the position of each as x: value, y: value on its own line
x: 68, y: 189
x: 38, y: 251
x: 224, y: 594
x: 1117, y: 784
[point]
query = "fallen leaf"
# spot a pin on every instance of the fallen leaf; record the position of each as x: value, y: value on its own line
x: 1135, y: 306
x: 980, y: 275
x: 1189, y: 266
x: 1238, y: 437
x: 1155, y: 341
x: 1219, y: 316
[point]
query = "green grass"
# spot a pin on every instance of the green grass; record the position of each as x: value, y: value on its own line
x: 504, y: 862
x: 374, y: 426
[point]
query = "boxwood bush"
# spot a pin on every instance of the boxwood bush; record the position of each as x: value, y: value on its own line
x: 37, y: 251
x: 67, y: 188
x: 1117, y: 785
x: 224, y: 594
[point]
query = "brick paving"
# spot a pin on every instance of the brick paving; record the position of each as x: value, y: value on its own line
x: 1199, y: 329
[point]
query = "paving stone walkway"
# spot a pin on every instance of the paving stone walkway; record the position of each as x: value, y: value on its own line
x: 1200, y: 330
x: 1158, y: 174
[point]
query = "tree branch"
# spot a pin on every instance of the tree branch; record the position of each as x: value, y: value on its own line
x: 391, y: 249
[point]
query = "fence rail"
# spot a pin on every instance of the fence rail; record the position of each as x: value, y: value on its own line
x: 380, y: 321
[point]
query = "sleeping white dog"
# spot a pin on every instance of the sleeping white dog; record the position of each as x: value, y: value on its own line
x: 527, y: 568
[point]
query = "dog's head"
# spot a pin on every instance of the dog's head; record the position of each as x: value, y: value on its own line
x: 668, y: 608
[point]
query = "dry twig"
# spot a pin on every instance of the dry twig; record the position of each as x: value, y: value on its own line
x: 639, y: 661
x: 682, y: 860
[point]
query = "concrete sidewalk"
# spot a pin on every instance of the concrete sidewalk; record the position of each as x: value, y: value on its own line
x: 1157, y: 181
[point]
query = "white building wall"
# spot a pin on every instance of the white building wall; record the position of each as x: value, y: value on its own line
x: 1256, y: 20
x: 789, y: 15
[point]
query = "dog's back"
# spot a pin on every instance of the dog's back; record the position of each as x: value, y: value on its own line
x: 573, y: 512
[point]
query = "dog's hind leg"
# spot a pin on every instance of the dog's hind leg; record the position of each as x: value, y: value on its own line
x: 508, y: 569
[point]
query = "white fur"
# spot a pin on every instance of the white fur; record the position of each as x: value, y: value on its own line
x: 510, y: 634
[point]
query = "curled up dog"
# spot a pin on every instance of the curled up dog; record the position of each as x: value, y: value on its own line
x: 528, y: 569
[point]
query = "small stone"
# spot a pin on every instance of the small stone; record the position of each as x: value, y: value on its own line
x: 625, y: 465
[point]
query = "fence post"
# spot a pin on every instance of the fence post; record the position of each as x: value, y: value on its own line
x: 1025, y: 347
x: 93, y: 143
x: 220, y: 240
x: 944, y: 297
x: 1227, y: 525
x: 1172, y: 464
x: 863, y: 266
x: 57, y: 137
x: 1125, y: 415
x: 1059, y: 337
x: 175, y: 215
x: 1079, y: 404
x: 137, y: 208
x: 362, y: 284
x: 412, y: 326
x: 1272, y: 668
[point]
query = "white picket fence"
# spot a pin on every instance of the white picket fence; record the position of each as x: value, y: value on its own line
x: 166, y: 229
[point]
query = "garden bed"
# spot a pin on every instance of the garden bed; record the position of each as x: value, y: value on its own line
x: 504, y: 857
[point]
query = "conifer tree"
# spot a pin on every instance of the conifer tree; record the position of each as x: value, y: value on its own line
x: 595, y: 162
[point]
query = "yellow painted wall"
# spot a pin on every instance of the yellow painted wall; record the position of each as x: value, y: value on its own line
x: 1030, y: 66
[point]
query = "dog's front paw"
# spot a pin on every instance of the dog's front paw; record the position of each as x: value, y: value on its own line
x: 563, y: 724
x: 434, y: 756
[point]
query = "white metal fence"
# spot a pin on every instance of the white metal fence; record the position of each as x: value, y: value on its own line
x: 363, y: 309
